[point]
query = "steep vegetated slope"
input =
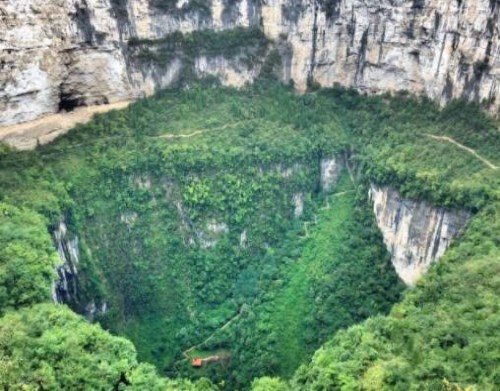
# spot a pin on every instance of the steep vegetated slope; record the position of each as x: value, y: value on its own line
x: 181, y: 223
x: 442, y: 335
x: 48, y: 347
x: 207, y: 223
x: 57, y: 55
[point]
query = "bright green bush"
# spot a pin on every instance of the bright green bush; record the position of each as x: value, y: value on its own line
x: 27, y: 258
x: 50, y: 347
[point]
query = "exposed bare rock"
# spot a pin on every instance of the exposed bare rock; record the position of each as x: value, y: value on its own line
x: 331, y: 168
x: 298, y: 202
x: 60, y: 54
x: 28, y: 135
x: 415, y: 233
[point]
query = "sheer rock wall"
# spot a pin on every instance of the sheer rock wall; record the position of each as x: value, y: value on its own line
x: 59, y: 54
x: 415, y: 233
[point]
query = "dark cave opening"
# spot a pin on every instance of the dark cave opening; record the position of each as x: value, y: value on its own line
x: 67, y: 103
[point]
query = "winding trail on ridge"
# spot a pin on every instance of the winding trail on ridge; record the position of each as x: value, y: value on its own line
x: 171, y: 135
x: 186, y: 352
x: 196, y: 132
x: 461, y: 146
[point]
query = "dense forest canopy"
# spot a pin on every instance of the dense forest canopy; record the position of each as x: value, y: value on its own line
x: 205, y: 229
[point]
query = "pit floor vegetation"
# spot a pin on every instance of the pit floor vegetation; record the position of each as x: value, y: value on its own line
x: 185, y: 208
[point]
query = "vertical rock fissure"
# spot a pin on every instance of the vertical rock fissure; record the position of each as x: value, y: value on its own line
x: 361, y: 56
x: 314, y: 42
x: 437, y: 235
x: 83, y: 22
x: 65, y: 288
x: 121, y: 14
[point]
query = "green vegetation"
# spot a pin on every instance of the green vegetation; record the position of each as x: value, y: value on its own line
x: 443, y: 334
x: 49, y: 347
x: 312, y: 296
x: 41, y: 346
x: 401, y: 153
x: 227, y: 42
x: 27, y: 259
x: 245, y: 45
x: 269, y: 384
x: 184, y: 208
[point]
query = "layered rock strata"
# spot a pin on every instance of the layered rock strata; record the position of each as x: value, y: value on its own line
x: 56, y: 55
x: 415, y: 233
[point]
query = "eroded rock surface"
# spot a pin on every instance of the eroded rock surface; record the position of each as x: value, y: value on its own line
x: 60, y: 54
x: 415, y: 233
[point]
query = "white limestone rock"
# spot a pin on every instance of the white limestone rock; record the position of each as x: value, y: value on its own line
x: 64, y: 288
x: 331, y: 169
x: 298, y: 202
x: 61, y: 52
x: 212, y: 232
x: 415, y: 233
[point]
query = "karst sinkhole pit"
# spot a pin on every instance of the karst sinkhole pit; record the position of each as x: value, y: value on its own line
x: 242, y: 224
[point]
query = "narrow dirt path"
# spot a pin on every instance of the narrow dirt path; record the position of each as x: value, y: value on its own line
x: 223, y: 327
x: 461, y: 146
x: 28, y: 135
x: 170, y: 135
x: 342, y: 193
x: 196, y: 132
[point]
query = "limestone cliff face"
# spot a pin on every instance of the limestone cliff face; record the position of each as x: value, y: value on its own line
x: 440, y: 48
x: 330, y: 169
x: 59, y: 54
x: 56, y: 54
x: 65, y: 288
x: 415, y: 233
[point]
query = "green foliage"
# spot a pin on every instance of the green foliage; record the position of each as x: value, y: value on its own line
x: 50, y: 347
x: 443, y: 331
x: 309, y: 296
x: 27, y: 258
x: 183, y: 204
x: 250, y: 43
x: 269, y: 384
x: 272, y: 65
x: 392, y: 139
x: 244, y: 46
x: 441, y: 336
x: 33, y: 188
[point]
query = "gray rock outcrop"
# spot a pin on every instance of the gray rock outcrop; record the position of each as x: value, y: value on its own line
x: 58, y: 54
x: 415, y: 233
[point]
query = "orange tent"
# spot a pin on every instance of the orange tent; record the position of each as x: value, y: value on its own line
x: 197, y: 362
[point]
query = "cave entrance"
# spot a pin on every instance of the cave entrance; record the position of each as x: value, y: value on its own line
x: 67, y: 103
